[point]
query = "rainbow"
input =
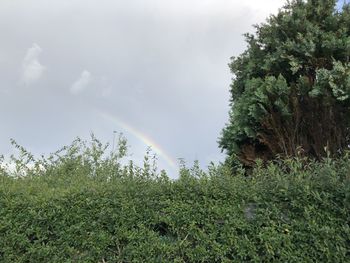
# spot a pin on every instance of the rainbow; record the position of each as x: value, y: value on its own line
x: 142, y: 137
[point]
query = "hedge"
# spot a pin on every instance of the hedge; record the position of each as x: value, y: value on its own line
x: 289, y: 211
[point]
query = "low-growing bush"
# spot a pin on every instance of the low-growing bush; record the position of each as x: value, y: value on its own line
x: 73, y: 207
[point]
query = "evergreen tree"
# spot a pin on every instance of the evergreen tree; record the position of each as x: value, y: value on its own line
x: 290, y: 93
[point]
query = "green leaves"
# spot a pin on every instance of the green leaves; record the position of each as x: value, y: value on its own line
x: 295, y: 66
x: 292, y: 79
x: 289, y: 211
x: 336, y: 80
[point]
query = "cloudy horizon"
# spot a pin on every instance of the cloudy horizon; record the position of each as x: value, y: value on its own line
x: 153, y: 70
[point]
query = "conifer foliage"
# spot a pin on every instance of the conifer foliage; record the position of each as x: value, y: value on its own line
x: 290, y: 93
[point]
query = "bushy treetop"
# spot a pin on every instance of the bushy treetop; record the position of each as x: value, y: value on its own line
x: 291, y: 89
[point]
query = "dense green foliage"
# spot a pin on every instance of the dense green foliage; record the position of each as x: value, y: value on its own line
x: 290, y: 94
x: 83, y: 205
x: 290, y: 97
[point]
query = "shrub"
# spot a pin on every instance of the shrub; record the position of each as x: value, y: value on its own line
x: 289, y: 211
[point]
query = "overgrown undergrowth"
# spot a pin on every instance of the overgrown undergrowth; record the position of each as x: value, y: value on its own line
x: 84, y: 206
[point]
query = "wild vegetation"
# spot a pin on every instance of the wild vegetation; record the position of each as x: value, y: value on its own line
x: 82, y: 204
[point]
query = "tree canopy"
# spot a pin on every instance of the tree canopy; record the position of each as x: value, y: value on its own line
x: 290, y: 94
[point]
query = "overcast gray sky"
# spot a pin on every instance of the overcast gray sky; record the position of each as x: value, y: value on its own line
x: 155, y: 70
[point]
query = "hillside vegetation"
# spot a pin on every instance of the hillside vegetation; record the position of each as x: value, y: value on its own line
x: 83, y: 205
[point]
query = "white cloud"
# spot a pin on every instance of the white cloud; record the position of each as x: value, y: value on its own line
x: 80, y: 84
x: 32, y: 69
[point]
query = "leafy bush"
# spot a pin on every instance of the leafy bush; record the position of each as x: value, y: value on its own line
x: 290, y: 94
x: 84, y: 206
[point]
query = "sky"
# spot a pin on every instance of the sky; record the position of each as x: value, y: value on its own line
x: 155, y: 70
x: 340, y: 3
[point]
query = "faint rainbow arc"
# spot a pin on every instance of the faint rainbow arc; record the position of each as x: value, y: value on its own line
x: 142, y: 137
